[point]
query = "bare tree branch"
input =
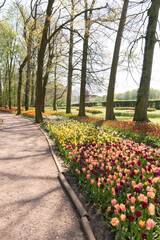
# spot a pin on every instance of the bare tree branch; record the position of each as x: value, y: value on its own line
x: 77, y: 15
x: 2, y: 4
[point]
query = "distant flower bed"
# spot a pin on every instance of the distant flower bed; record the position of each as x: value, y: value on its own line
x: 145, y: 132
x: 13, y: 110
x: 54, y: 118
x: 92, y: 111
x: 122, y: 177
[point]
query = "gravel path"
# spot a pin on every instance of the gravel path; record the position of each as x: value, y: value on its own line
x: 33, y: 204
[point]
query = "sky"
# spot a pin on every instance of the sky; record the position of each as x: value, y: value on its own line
x: 124, y: 81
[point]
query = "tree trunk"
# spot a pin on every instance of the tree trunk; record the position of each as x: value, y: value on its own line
x: 40, y: 62
x: 84, y: 58
x: 9, y: 91
x: 55, y: 86
x: 45, y: 81
x: 0, y: 90
x: 54, y: 98
x: 83, y: 77
x: 20, y: 85
x: 28, y: 72
x: 70, y: 65
x: 112, y: 80
x: 46, y: 76
x: 5, y: 90
x: 33, y: 89
x: 143, y: 92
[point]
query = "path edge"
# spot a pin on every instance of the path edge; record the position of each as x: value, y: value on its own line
x: 84, y: 217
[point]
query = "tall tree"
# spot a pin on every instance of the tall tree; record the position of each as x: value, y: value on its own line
x: 33, y: 75
x: 33, y: 88
x: 150, y: 40
x: 112, y: 80
x: 40, y: 61
x: 19, y: 90
x: 10, y: 49
x: 55, y: 85
x: 42, y: 49
x: 50, y: 55
x: 0, y: 90
x: 29, y: 30
x: 87, y: 16
x: 29, y: 53
x: 70, y: 65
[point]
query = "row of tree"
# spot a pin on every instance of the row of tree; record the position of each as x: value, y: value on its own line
x: 47, y: 47
x: 132, y: 95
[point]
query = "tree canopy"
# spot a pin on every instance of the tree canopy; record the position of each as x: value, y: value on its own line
x: 48, y: 48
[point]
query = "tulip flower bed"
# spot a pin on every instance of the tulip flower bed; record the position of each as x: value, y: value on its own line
x: 91, y: 110
x: 145, y: 132
x: 121, y: 177
x: 13, y: 110
x: 73, y: 132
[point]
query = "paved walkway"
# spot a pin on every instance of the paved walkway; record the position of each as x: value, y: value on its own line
x: 33, y: 205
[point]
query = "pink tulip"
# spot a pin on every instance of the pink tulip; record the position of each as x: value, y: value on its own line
x: 92, y: 181
x: 133, y: 200
x: 132, y: 209
x: 151, y: 209
x: 114, y: 201
x: 123, y: 207
x: 150, y: 224
x: 108, y: 209
x: 115, y: 221
x: 123, y: 217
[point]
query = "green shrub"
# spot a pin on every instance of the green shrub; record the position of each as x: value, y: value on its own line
x: 87, y: 104
x: 154, y: 103
x: 132, y: 108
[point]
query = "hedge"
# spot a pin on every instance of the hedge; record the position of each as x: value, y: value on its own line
x: 87, y: 104
x: 154, y: 103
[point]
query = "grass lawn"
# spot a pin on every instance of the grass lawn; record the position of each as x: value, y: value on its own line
x: 123, y: 114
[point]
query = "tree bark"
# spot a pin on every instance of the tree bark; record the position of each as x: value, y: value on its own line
x: 9, y: 91
x: 70, y: 65
x: 29, y: 46
x: 0, y: 90
x: 45, y: 81
x: 54, y: 98
x: 33, y: 89
x: 40, y: 61
x: 5, y: 89
x: 20, y: 85
x: 112, y: 80
x: 55, y: 86
x: 46, y: 76
x: 84, y: 58
x: 143, y: 92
